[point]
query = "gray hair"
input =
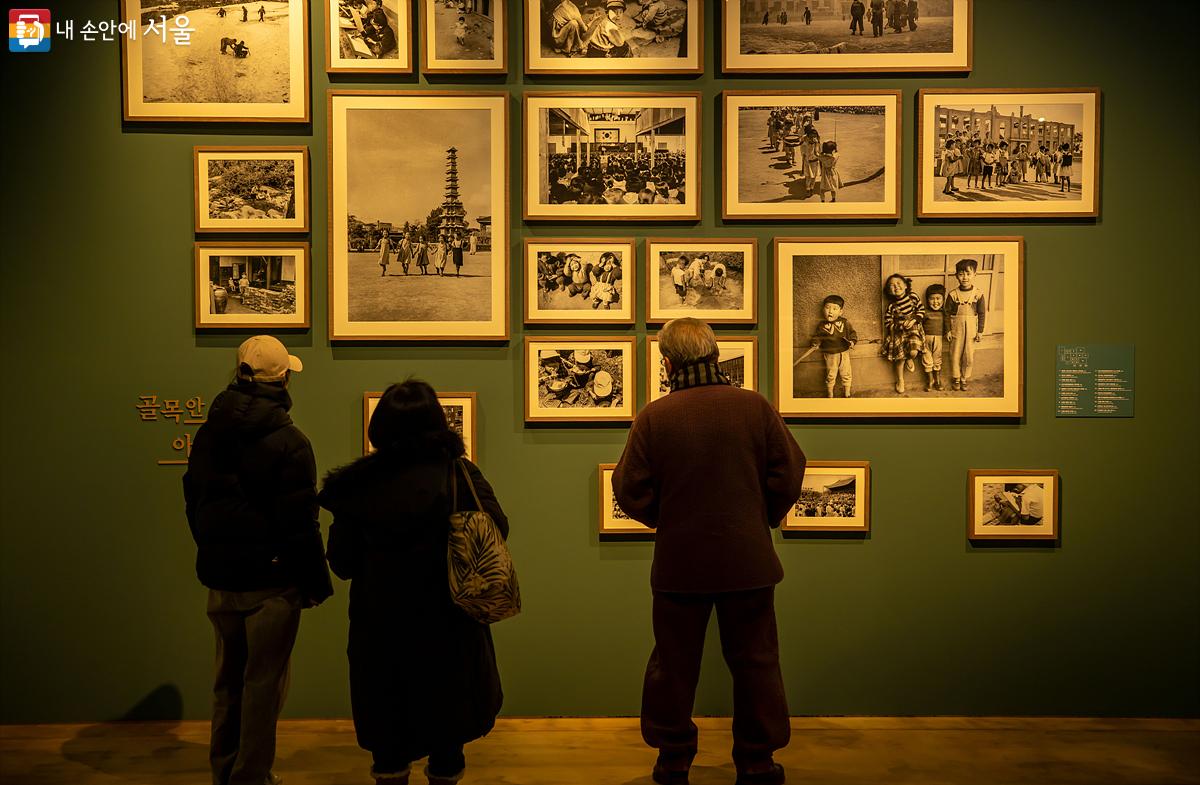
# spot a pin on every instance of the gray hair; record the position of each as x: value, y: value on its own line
x: 685, y: 341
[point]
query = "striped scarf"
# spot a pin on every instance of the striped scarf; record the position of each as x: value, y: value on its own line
x: 697, y: 375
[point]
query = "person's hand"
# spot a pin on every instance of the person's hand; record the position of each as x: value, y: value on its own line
x: 950, y: 337
x: 978, y: 337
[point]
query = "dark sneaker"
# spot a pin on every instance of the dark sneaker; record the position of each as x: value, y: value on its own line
x: 771, y: 776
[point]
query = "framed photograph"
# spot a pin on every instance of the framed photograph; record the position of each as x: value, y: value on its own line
x: 418, y: 231
x: 579, y: 281
x: 899, y: 327
x: 813, y: 154
x: 252, y: 285
x: 713, y: 280
x: 577, y: 379
x: 612, y: 519
x: 840, y: 36
x: 1008, y: 153
x: 251, y: 189
x: 460, y: 414
x: 1012, y: 504
x: 836, y: 497
x: 464, y: 36
x: 594, y: 37
x: 647, y: 168
x: 738, y: 360
x: 216, y: 63
x: 368, y: 37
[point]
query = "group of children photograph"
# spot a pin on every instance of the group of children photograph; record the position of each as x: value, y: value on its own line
x: 985, y: 165
x: 697, y: 275
x: 596, y: 30
x: 618, y: 178
x: 793, y: 132
x: 413, y: 250
x: 597, y: 284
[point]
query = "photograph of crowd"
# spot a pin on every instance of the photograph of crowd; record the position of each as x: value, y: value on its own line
x: 459, y: 409
x: 835, y: 496
x: 826, y: 497
x: 368, y: 36
x: 612, y: 519
x: 707, y: 279
x: 1013, y: 504
x: 463, y: 36
x: 258, y: 285
x: 613, y: 36
x: 251, y: 189
x: 578, y: 281
x: 579, y: 379
x: 737, y: 360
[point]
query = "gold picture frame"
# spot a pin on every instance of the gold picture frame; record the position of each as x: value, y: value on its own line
x: 836, y: 498
x: 252, y: 285
x: 431, y: 63
x: 738, y: 360
x: 1002, y: 499
x: 547, y: 294
x: 346, y: 52
x: 611, y: 521
x: 259, y: 203
x: 735, y: 301
x: 563, y: 382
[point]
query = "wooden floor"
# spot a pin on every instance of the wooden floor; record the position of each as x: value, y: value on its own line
x: 824, y: 751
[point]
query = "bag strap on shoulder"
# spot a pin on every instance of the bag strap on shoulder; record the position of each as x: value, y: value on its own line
x: 457, y: 464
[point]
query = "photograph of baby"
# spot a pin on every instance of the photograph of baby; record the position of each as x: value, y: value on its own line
x: 705, y: 279
x: 571, y: 281
x: 463, y: 36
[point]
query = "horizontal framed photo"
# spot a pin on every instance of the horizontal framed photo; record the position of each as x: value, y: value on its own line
x: 1012, y: 504
x: 579, y: 281
x: 841, y: 37
x: 418, y: 235
x: 812, y: 154
x: 606, y: 156
x: 738, y: 360
x: 368, y: 37
x: 836, y: 497
x: 464, y: 36
x: 252, y: 285
x: 578, y: 379
x: 251, y: 189
x: 612, y: 519
x: 1008, y: 153
x: 460, y: 408
x: 222, y: 63
x: 594, y: 37
x: 899, y: 327
x: 713, y: 280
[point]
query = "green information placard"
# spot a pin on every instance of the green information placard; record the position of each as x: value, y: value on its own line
x: 1094, y: 380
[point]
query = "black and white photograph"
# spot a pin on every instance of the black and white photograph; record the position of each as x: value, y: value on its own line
x: 460, y: 410
x: 252, y: 285
x: 602, y: 156
x: 614, y: 37
x: 611, y: 518
x: 904, y: 327
x: 212, y: 61
x: 1008, y: 153
x: 579, y: 281
x: 1012, y: 504
x: 811, y: 155
x: 418, y: 241
x: 579, y: 379
x: 711, y: 280
x: 737, y: 360
x: 846, y: 36
x: 835, y: 496
x: 368, y: 37
x: 464, y: 36
x: 251, y: 189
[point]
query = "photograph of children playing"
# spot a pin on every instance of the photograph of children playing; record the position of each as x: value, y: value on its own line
x: 1013, y: 504
x: 826, y: 496
x: 613, y: 28
x: 368, y: 29
x: 700, y: 281
x: 463, y: 29
x: 846, y: 26
x: 587, y: 379
x: 574, y: 280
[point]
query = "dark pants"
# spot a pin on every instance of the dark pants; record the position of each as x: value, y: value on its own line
x: 750, y: 643
x: 443, y: 761
x: 255, y: 633
x: 856, y: 23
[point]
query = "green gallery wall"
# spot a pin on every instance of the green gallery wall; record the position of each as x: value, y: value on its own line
x: 100, y: 611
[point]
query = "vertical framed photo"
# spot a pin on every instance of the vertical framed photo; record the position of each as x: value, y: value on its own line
x: 738, y: 360
x: 418, y: 233
x: 899, y: 327
x: 578, y: 379
x: 1012, y: 504
x: 579, y: 281
x: 1004, y: 153
x: 595, y: 37
x: 836, y: 497
x: 612, y: 519
x: 464, y: 36
x: 812, y: 154
x: 713, y: 280
x: 220, y: 63
x: 251, y: 189
x: 368, y: 37
x: 460, y: 409
x: 252, y: 285
x: 606, y: 156
x: 840, y: 36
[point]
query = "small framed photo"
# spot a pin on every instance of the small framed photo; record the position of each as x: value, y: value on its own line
x: 460, y: 411
x: 713, y: 280
x: 836, y: 497
x: 1008, y: 153
x: 595, y: 37
x: 813, y: 154
x: 607, y: 156
x: 251, y: 189
x: 842, y: 37
x: 612, y: 519
x: 368, y: 37
x: 1012, y: 504
x: 220, y: 63
x: 738, y: 360
x: 577, y: 379
x: 579, y: 281
x: 252, y: 285
x: 464, y: 36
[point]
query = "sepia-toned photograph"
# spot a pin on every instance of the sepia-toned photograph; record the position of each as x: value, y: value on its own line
x: 464, y: 36
x: 612, y: 519
x: 368, y: 37
x: 1012, y: 504
x: 585, y: 281
x: 614, y: 37
x: 251, y: 189
x: 252, y: 285
x: 418, y: 235
x: 835, y: 497
x: 579, y: 379
x: 737, y: 360
x: 459, y: 407
x: 711, y: 280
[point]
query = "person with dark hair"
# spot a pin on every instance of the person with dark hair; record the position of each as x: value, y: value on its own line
x: 423, y: 675
x: 857, y: 11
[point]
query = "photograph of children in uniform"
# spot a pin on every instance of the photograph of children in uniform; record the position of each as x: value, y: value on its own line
x: 1013, y: 504
x: 707, y: 280
x: 737, y: 361
x: 613, y: 36
x: 577, y: 281
x: 259, y: 284
x: 369, y: 35
x: 251, y: 189
x: 463, y: 35
x: 833, y: 498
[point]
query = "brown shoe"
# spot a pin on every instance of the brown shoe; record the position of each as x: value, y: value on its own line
x: 771, y: 776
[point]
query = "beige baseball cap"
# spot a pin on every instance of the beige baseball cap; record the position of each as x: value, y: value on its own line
x: 268, y: 359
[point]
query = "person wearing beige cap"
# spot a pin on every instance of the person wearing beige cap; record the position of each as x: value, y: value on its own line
x: 251, y: 502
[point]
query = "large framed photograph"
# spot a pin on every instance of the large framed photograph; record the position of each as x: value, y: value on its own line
x: 612, y: 520
x: 606, y: 156
x: 1008, y: 153
x: 460, y: 409
x: 252, y: 285
x: 464, y: 36
x: 577, y: 379
x: 579, y: 281
x: 737, y: 359
x: 713, y: 280
x: 251, y: 189
x: 219, y: 62
x: 841, y: 36
x: 594, y: 37
x: 1012, y: 504
x: 835, y: 497
x: 418, y: 234
x: 899, y: 327
x: 368, y: 37
x: 812, y: 154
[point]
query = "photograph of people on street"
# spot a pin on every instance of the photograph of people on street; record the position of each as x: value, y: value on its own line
x: 835, y: 497
x: 707, y: 279
x: 578, y: 281
x: 463, y: 36
x: 369, y: 36
x: 613, y: 36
